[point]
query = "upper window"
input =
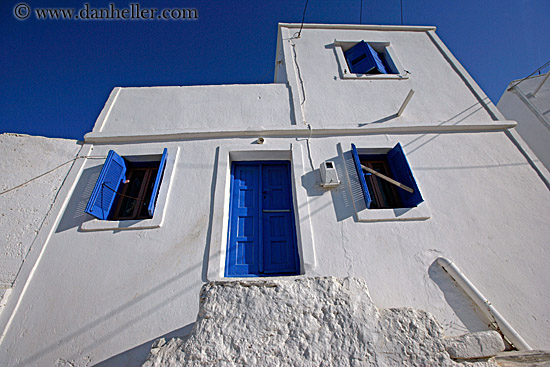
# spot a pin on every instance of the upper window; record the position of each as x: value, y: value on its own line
x: 364, y: 59
x: 368, y: 60
x: 127, y: 187
x: 387, y: 180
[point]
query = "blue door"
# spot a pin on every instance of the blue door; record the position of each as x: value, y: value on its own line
x: 262, y: 233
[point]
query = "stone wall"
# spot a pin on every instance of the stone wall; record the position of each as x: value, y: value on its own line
x: 313, y: 322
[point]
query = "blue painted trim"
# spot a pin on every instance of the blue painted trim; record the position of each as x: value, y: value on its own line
x: 262, y: 267
x: 106, y: 187
x: 401, y: 171
x: 366, y: 59
x: 361, y: 175
x: 158, y: 180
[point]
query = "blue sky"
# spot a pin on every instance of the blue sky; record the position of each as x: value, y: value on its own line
x: 56, y: 75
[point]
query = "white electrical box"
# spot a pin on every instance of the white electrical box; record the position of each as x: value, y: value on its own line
x: 329, y: 176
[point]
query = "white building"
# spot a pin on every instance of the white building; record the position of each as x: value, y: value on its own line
x: 528, y: 102
x: 98, y: 291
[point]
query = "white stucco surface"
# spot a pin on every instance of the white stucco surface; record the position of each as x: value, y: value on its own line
x: 221, y: 107
x: 532, y: 111
x: 327, y: 97
x: 23, y: 209
x: 311, y: 322
x: 93, y: 295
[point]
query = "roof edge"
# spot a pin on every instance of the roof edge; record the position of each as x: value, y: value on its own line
x: 372, y: 27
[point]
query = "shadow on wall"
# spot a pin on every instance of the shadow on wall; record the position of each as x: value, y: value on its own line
x: 138, y: 355
x: 341, y: 197
x: 122, y: 318
x: 462, y: 305
x: 206, y: 254
x: 74, y: 214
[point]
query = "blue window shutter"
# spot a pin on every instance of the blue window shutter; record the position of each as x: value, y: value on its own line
x: 361, y: 175
x: 279, y: 249
x: 156, y: 187
x: 401, y: 171
x: 104, y: 193
x: 362, y: 59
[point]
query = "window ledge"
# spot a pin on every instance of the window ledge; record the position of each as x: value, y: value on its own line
x: 421, y: 212
x: 373, y: 76
x: 120, y: 225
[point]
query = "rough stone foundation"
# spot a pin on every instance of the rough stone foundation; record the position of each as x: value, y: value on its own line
x: 309, y: 322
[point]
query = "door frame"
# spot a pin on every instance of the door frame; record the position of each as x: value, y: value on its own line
x: 260, y: 247
x: 216, y: 240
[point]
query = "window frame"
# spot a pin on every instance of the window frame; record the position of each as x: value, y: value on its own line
x: 363, y: 214
x: 384, y: 47
x: 161, y: 202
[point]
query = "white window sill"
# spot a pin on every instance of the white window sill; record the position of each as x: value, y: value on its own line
x: 421, y: 212
x: 109, y: 225
x: 373, y: 76
x: 161, y: 205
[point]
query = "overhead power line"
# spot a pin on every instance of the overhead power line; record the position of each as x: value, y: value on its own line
x: 534, y: 72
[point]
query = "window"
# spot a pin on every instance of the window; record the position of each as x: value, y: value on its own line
x: 386, y: 179
x: 364, y: 59
x: 127, y: 187
x: 262, y: 232
x: 383, y: 193
x: 368, y: 60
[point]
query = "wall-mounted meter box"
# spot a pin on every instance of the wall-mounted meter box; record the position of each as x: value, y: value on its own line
x: 329, y: 176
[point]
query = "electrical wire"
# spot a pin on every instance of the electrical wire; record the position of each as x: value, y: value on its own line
x: 542, y: 67
x: 122, y: 195
x: 361, y: 13
x: 302, y: 25
x: 45, y: 173
x: 309, y: 148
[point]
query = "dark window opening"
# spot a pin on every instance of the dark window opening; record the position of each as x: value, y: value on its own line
x: 383, y: 194
x: 135, y: 194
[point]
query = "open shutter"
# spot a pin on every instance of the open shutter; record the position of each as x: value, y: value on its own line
x: 107, y: 185
x: 361, y: 175
x: 362, y: 59
x: 401, y: 171
x: 156, y: 187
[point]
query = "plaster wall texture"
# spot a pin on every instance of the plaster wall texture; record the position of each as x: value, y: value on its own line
x: 223, y: 107
x: 99, y: 295
x: 441, y: 98
x: 23, y: 210
x: 309, y: 322
x: 532, y: 113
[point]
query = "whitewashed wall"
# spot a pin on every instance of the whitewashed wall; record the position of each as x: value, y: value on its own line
x: 101, y: 294
x: 23, y: 207
x: 529, y: 104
